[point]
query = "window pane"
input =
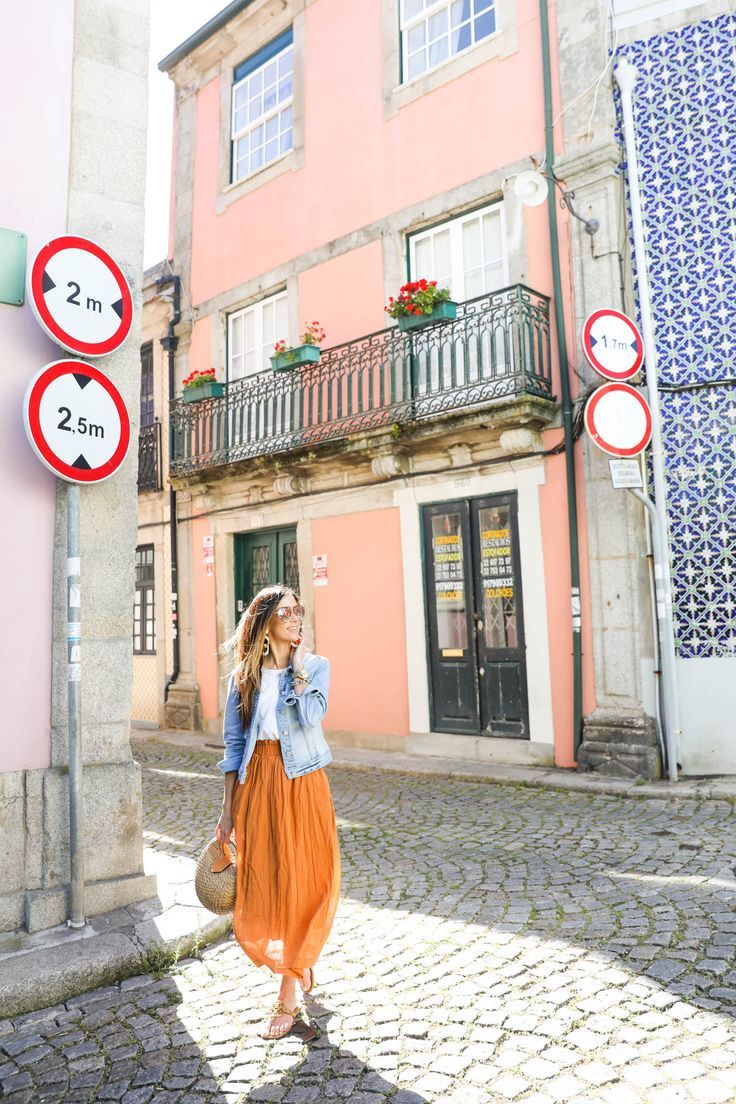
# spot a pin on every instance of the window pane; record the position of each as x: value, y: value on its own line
x: 282, y: 316
x: 249, y: 323
x: 492, y: 237
x: 286, y: 115
x: 449, y: 582
x: 272, y: 149
x: 417, y: 64
x: 461, y: 39
x: 423, y: 266
x: 416, y: 38
x: 272, y: 127
x: 493, y: 277
x: 472, y: 248
x: 286, y: 141
x: 485, y: 25
x: 236, y: 335
x: 255, y: 84
x: 438, y: 52
x: 240, y: 95
x: 442, y: 258
x: 269, y: 76
x: 460, y: 12
x: 481, y: 5
x: 285, y: 89
x: 497, y: 574
x: 412, y: 8
x: 474, y: 283
x: 438, y: 25
x: 286, y: 63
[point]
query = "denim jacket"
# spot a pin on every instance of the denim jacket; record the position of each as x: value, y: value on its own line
x: 299, y: 716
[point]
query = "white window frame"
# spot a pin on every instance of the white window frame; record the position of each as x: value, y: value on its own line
x: 257, y: 308
x: 407, y: 25
x: 455, y: 225
x: 262, y: 120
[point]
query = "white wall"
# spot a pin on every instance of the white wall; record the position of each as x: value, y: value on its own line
x: 35, y: 53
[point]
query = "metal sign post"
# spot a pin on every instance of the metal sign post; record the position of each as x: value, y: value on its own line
x: 626, y: 75
x: 74, y: 700
x: 78, y: 426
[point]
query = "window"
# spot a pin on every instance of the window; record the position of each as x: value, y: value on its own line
x: 144, y: 632
x: 262, y: 115
x: 147, y: 415
x: 466, y: 254
x: 434, y: 30
x: 252, y: 334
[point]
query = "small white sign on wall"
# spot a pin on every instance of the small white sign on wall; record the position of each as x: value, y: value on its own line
x: 319, y: 570
x: 208, y: 554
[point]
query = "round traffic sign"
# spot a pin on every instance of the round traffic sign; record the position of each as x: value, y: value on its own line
x: 618, y: 419
x: 80, y: 296
x: 76, y: 421
x: 612, y: 344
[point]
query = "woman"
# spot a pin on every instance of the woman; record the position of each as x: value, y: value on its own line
x: 277, y: 798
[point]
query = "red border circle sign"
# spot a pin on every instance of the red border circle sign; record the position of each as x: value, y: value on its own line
x: 80, y: 296
x: 612, y: 344
x: 76, y: 421
x: 618, y: 419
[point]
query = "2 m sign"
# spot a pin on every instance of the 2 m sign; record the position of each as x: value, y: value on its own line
x: 80, y: 296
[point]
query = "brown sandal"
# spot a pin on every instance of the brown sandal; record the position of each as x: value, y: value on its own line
x: 280, y: 1009
x: 311, y: 981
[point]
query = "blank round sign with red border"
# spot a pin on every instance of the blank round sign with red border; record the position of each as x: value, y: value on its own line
x: 618, y: 419
x: 76, y: 421
x: 80, y: 296
x: 612, y: 344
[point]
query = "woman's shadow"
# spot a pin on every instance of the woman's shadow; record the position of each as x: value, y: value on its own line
x: 328, y: 1071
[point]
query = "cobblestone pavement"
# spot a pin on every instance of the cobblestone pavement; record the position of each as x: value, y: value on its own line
x: 492, y: 944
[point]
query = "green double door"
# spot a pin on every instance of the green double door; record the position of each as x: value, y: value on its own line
x: 262, y: 559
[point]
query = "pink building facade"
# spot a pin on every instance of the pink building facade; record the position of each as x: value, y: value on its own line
x: 324, y: 153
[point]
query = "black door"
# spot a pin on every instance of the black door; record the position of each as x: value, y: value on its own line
x: 262, y: 559
x: 473, y: 585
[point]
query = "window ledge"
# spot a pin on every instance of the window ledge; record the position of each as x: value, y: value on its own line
x: 503, y: 42
x: 285, y: 162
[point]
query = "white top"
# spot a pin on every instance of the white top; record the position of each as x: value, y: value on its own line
x: 269, y: 729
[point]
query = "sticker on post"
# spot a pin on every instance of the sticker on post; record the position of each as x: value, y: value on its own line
x: 625, y: 474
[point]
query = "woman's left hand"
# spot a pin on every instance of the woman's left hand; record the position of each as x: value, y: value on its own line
x: 298, y: 654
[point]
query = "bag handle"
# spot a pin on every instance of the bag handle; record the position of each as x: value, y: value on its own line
x: 224, y: 862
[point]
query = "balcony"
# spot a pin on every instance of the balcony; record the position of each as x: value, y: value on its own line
x: 149, y: 457
x: 495, y: 352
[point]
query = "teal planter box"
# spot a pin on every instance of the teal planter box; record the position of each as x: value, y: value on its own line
x: 445, y: 309
x: 203, y: 391
x: 292, y: 358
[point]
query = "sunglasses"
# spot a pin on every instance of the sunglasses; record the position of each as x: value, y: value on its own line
x: 287, y: 612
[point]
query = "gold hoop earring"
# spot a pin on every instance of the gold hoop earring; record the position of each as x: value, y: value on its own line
x: 266, y: 646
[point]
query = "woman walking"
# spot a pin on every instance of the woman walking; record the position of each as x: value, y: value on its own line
x: 277, y: 798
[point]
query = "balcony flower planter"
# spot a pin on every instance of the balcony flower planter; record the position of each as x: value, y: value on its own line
x: 446, y: 309
x: 212, y: 390
x: 293, y: 358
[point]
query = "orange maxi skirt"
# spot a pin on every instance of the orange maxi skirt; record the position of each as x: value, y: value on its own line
x: 287, y: 861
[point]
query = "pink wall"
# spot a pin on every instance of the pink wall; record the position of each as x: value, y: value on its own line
x: 345, y: 294
x: 359, y: 619
x: 34, y: 199
x: 374, y: 167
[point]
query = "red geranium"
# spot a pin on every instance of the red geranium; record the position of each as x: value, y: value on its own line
x: 416, y: 297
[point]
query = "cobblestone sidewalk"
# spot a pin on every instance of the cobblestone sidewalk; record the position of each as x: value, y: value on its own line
x: 492, y: 944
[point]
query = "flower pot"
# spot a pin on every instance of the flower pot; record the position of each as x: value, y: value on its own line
x: 203, y: 391
x: 292, y: 358
x: 445, y: 309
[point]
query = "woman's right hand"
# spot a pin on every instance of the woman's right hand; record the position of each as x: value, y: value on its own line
x: 224, y: 829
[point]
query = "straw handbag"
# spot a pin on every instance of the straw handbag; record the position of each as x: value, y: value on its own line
x: 214, y: 878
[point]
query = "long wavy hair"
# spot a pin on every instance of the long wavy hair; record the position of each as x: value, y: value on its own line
x: 248, y: 642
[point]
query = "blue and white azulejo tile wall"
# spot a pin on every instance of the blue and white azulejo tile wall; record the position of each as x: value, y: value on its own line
x: 685, y: 110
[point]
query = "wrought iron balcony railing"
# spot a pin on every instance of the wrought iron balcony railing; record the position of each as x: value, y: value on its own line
x: 498, y: 348
x: 149, y: 457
